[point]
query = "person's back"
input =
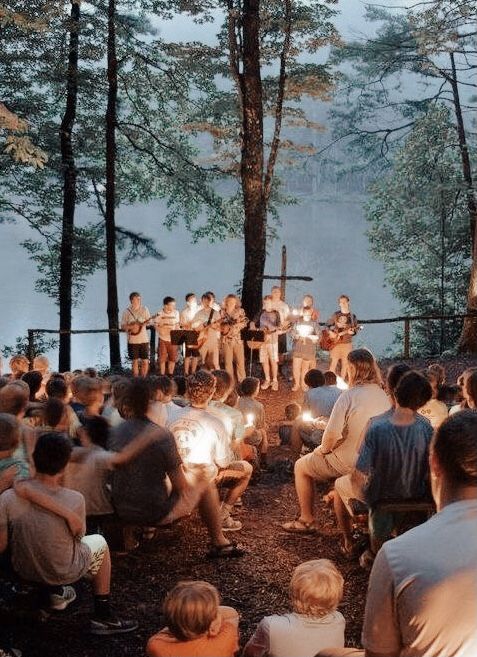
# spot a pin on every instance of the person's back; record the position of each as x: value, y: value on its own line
x: 316, y: 589
x: 422, y: 595
x: 42, y: 547
x: 139, y: 489
x: 396, y: 457
x: 321, y: 400
x: 89, y: 476
x: 349, y: 418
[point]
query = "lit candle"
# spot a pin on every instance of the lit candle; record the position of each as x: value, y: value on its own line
x: 295, y: 312
x: 250, y: 419
x: 307, y: 416
x: 304, y: 330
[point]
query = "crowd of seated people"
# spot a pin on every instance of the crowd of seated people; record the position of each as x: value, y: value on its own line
x: 79, y: 453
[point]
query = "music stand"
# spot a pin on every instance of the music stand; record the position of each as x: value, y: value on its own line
x: 252, y: 335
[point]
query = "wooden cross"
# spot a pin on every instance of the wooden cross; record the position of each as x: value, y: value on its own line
x: 284, y: 278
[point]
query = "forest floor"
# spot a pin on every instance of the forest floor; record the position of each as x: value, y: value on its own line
x: 256, y: 585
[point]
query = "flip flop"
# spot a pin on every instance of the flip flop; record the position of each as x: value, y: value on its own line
x: 300, y: 527
x: 229, y: 551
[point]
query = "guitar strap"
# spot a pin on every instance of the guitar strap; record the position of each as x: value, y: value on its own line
x: 209, y: 321
x: 133, y: 315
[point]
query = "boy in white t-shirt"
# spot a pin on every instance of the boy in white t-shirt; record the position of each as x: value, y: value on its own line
x: 316, y: 589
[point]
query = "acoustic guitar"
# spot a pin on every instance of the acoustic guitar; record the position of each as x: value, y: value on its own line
x: 328, y: 341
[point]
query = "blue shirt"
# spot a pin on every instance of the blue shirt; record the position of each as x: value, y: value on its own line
x: 320, y: 401
x: 395, y: 460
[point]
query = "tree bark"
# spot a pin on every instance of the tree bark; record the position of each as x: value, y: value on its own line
x: 468, y: 338
x: 69, y: 193
x: 110, y: 204
x: 255, y: 226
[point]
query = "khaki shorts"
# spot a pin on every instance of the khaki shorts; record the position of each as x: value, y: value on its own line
x: 316, y: 466
x: 269, y: 351
x: 98, y: 546
x: 198, y: 478
x: 347, y: 489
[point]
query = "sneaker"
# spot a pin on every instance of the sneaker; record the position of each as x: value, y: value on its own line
x: 111, y: 626
x: 59, y: 601
x: 265, y: 385
x: 238, y: 502
x: 275, y: 385
x: 231, y: 525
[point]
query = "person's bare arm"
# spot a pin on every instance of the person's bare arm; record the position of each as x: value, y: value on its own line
x: 334, y: 429
x: 7, y: 478
x: 75, y: 523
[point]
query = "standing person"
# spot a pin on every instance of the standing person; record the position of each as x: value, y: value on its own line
x: 343, y: 325
x: 167, y: 320
x: 232, y: 321
x: 268, y: 320
x: 305, y: 334
x: 309, y: 302
x: 133, y: 321
x: 207, y: 320
x: 187, y: 315
x: 283, y: 308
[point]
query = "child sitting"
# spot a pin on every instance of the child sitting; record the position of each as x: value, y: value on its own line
x: 10, y: 435
x: 196, y: 624
x: 162, y: 410
x: 316, y: 589
x: 254, y: 415
x: 292, y: 411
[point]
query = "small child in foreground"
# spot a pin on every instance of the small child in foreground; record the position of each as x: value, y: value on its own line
x: 197, y: 625
x: 316, y: 589
x: 253, y: 412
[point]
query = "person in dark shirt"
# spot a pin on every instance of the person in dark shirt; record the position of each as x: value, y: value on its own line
x: 342, y: 327
x: 392, y: 462
x: 140, y: 491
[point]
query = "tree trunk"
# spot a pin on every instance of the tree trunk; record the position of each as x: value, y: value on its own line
x: 468, y: 338
x: 69, y: 193
x: 255, y: 211
x: 112, y: 309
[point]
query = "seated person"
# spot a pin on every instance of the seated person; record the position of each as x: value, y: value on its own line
x: 34, y: 380
x: 196, y: 624
x: 292, y: 411
x: 110, y: 409
x: 330, y: 378
x: 202, y: 439
x: 42, y: 547
x: 57, y: 388
x: 162, y: 410
x: 10, y: 435
x: 434, y: 410
x: 316, y: 589
x: 155, y: 489
x: 392, y: 463
x: 318, y: 402
x: 14, y: 401
x: 253, y: 413
x: 90, y: 464
x: 181, y: 389
x: 418, y: 578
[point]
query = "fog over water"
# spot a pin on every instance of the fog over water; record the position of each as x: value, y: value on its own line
x: 324, y: 234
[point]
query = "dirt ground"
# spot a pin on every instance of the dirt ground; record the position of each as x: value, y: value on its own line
x: 255, y: 585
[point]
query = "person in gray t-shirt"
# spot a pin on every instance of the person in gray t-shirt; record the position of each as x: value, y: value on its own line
x: 44, y: 549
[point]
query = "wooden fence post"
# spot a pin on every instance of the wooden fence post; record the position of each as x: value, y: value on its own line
x: 31, y: 347
x: 407, y: 339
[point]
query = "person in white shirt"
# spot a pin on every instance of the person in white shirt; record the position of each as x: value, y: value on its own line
x: 284, y: 312
x: 192, y: 354
x: 207, y: 321
x: 167, y: 320
x: 162, y: 410
x: 316, y: 590
x: 134, y: 320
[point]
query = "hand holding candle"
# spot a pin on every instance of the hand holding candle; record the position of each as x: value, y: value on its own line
x: 250, y: 420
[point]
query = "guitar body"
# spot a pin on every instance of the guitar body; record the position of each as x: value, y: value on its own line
x: 327, y: 342
x: 135, y: 328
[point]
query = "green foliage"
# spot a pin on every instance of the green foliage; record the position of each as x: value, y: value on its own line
x: 41, y: 345
x: 419, y: 228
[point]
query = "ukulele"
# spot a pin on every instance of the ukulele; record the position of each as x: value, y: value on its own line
x: 134, y: 328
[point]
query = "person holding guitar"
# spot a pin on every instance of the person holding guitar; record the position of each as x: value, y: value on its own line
x: 207, y: 322
x: 269, y: 321
x: 192, y: 354
x: 232, y: 321
x: 342, y: 326
x: 134, y: 320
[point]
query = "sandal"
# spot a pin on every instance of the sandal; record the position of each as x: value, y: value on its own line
x: 229, y: 551
x: 300, y: 527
